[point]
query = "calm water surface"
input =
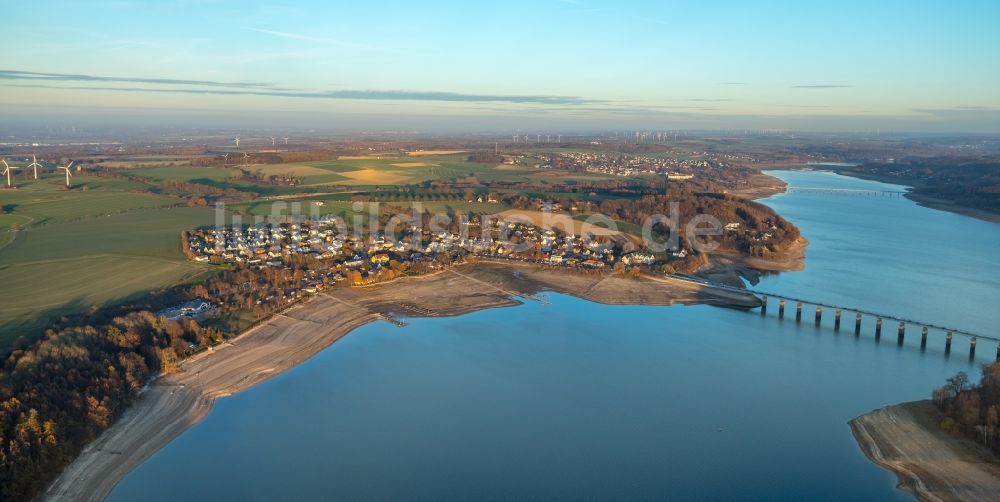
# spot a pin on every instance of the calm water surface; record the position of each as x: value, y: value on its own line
x: 579, y: 401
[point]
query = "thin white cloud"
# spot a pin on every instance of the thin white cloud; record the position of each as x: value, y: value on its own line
x: 212, y: 88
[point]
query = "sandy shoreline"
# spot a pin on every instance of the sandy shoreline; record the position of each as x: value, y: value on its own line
x: 762, y: 186
x: 929, y: 463
x: 177, y: 401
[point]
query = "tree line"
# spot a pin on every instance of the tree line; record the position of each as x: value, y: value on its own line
x: 60, y: 392
x: 972, y: 409
x: 64, y: 390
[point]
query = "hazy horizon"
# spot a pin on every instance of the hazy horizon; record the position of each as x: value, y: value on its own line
x: 557, y: 65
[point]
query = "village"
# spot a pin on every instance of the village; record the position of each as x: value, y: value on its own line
x: 335, y: 256
x: 629, y: 165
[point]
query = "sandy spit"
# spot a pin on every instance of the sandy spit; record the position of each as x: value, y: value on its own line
x: 930, y: 464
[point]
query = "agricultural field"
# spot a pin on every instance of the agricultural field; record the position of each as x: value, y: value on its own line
x: 541, y: 193
x: 43, y: 207
x: 183, y: 173
x: 140, y: 161
x: 398, y: 170
x: 623, y: 226
x: 356, y: 172
x: 423, y: 153
x: 221, y: 178
x: 305, y: 207
x: 6, y: 222
x: 462, y: 207
x: 38, y: 292
x: 80, y: 249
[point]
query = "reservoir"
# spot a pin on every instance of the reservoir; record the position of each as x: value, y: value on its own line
x: 575, y: 400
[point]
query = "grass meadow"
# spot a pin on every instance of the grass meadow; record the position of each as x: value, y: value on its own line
x: 84, y: 248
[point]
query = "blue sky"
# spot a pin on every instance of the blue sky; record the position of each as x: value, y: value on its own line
x: 500, y: 65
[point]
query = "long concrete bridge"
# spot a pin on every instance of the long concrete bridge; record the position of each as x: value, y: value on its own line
x: 859, y: 314
x: 847, y: 191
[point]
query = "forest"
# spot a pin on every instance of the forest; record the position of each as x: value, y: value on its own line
x: 63, y: 391
x: 965, y: 181
x: 60, y: 392
x: 972, y: 409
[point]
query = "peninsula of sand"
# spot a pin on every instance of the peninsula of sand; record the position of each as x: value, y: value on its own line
x: 177, y: 401
x: 930, y: 463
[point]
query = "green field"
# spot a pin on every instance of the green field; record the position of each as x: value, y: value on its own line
x: 40, y: 291
x: 217, y: 177
x: 623, y: 226
x: 461, y: 207
x: 304, y: 207
x: 400, y: 170
x: 6, y: 221
x: 151, y: 233
x: 55, y: 207
x: 81, y: 249
x: 360, y: 173
x: 184, y: 173
x: 134, y: 161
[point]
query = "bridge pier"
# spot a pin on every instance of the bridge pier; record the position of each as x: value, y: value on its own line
x: 765, y: 299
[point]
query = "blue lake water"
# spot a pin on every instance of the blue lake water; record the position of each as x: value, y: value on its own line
x: 891, y: 255
x: 575, y: 400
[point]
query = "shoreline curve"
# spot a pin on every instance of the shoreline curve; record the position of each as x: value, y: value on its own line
x: 177, y: 401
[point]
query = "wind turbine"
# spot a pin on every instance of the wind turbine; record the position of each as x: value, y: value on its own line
x: 237, y: 140
x: 34, y: 165
x: 6, y: 172
x: 286, y: 139
x: 225, y: 160
x: 272, y: 141
x: 68, y: 174
x: 245, y: 157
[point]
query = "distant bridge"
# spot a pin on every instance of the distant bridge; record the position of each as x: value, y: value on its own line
x: 858, y: 314
x: 848, y: 191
